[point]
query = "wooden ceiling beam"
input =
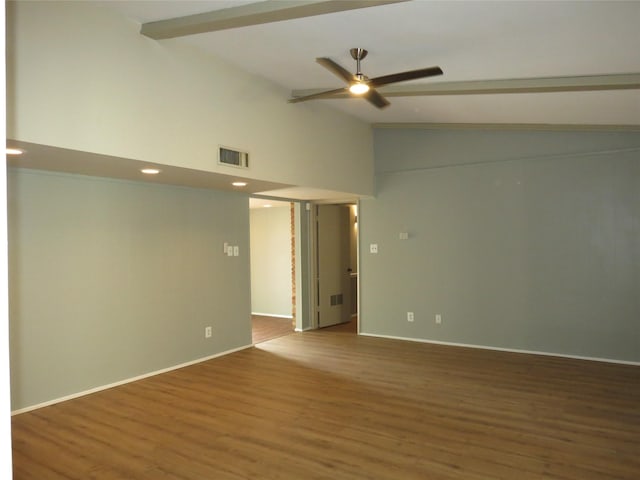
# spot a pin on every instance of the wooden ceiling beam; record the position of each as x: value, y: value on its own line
x: 251, y: 14
x: 623, y: 81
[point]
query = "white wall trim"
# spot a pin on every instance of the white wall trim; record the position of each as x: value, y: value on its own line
x: 499, y: 349
x: 271, y: 315
x: 304, y: 329
x: 128, y: 380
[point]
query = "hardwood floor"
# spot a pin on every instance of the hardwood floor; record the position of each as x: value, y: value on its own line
x: 265, y: 328
x: 330, y: 405
x: 350, y: 327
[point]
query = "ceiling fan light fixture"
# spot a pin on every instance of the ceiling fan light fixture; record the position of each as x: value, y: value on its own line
x: 360, y: 85
x: 359, y: 88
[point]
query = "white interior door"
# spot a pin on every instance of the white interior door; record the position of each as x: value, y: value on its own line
x: 333, y: 260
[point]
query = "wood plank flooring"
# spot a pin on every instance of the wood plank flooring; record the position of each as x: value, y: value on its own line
x: 265, y: 328
x: 328, y: 404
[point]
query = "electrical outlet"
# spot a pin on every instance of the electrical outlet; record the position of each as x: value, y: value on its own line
x: 438, y: 319
x: 373, y: 248
x: 207, y: 332
x: 409, y: 316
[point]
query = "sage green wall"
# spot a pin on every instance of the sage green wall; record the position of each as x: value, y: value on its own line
x: 271, y: 290
x: 114, y: 279
x: 520, y: 240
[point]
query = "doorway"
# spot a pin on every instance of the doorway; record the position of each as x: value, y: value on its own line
x: 304, y: 267
x: 272, y: 251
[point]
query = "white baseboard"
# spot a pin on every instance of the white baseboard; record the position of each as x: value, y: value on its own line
x: 122, y: 382
x: 303, y: 329
x: 271, y: 315
x: 499, y: 349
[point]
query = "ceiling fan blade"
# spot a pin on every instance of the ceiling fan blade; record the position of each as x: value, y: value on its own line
x: 327, y: 94
x: 404, y: 76
x: 374, y: 97
x: 336, y: 69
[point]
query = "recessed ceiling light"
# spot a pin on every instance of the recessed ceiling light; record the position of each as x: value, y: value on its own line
x: 150, y: 171
x: 13, y: 151
x: 239, y: 184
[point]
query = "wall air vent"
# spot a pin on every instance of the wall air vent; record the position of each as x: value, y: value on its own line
x: 336, y: 300
x: 233, y: 158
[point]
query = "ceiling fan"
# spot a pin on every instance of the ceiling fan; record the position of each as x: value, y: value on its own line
x: 362, y: 86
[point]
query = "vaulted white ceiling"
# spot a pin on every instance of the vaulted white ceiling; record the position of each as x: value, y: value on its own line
x: 489, y: 43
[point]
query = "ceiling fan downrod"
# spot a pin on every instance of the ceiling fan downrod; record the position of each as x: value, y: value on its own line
x: 358, y: 54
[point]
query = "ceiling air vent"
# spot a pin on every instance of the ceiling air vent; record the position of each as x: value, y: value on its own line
x: 233, y: 158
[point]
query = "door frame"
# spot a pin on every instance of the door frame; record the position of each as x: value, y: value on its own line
x: 306, y: 255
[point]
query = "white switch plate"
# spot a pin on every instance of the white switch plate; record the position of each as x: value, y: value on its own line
x: 410, y: 317
x: 438, y: 319
x: 236, y: 250
x: 207, y: 332
x: 404, y: 235
x: 225, y: 247
x: 373, y: 248
x: 230, y: 251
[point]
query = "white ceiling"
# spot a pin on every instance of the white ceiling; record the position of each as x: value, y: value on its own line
x: 469, y: 40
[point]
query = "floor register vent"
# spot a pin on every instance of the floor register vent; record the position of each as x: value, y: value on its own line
x: 233, y: 158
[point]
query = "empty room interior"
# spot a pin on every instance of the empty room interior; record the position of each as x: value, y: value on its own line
x: 456, y: 189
